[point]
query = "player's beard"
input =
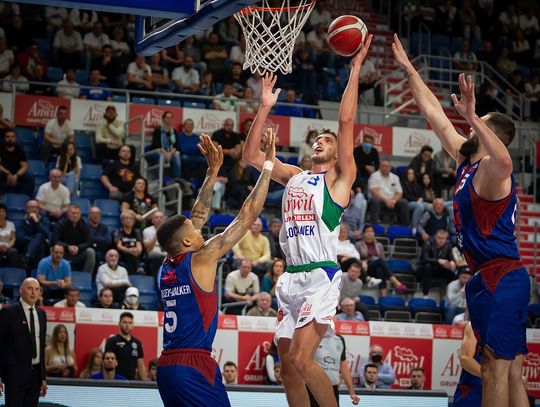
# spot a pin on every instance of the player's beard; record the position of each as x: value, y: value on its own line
x: 322, y: 158
x: 470, y: 147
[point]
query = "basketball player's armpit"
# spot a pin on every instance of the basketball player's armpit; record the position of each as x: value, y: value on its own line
x: 201, y: 209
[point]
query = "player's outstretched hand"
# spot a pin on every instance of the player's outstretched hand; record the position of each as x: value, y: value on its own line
x: 212, y: 152
x: 466, y: 105
x: 268, y: 96
x: 269, y: 143
x: 359, y: 58
x: 399, y: 53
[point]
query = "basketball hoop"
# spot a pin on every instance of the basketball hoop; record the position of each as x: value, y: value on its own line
x: 271, y: 33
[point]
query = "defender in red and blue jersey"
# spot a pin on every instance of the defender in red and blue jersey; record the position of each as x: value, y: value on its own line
x: 187, y: 375
x: 484, y: 207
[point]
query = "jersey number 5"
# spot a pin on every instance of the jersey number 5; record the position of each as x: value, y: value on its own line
x: 171, y: 327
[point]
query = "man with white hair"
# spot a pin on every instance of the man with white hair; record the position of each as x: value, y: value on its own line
x: 263, y: 307
x: 348, y: 311
x: 53, y: 197
x: 112, y: 275
x: 151, y: 246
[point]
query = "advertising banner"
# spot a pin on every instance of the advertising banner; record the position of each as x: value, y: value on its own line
x: 57, y: 316
x: 281, y: 125
x: 208, y: 121
x: 408, y: 142
x: 446, y: 366
x: 87, y: 114
x: 36, y: 111
x: 151, y: 116
x: 300, y: 127
x: 382, y: 136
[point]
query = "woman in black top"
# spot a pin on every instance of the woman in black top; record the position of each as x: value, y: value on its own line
x: 139, y: 201
x: 414, y: 194
x: 239, y: 184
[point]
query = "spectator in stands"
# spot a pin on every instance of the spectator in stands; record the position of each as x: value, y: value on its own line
x: 487, y: 54
x: 33, y: 236
x: 366, y: 157
x: 83, y: 20
x: 385, y: 189
x: 53, y: 197
x: 456, y: 303
x: 237, y: 78
x: 99, y: 90
x: 444, y: 172
x: 413, y: 193
x: 14, y: 175
x: 164, y: 142
x: 306, y: 163
x: 152, y: 370
x: 528, y: 23
x: 208, y: 86
x: 139, y: 74
x: 254, y: 246
x: 230, y: 372
x: 371, y: 376
x: 229, y: 30
x: 263, y: 307
x: 15, y: 81
x: 100, y: 234
x: 423, y: 163
x: 94, y: 42
x: 105, y: 299
x: 386, y: 376
x: 128, y: 242
x: 215, y: 56
x: 485, y: 101
x: 270, y: 279
x: 241, y: 285
x: 93, y: 365
x: 238, y: 51
x: 9, y: 256
x: 110, y: 134
x: 113, y: 276
x: 505, y: 64
x: 73, y: 235
x: 5, y: 123
x: 447, y: 19
x: 317, y: 41
x: 108, y: 66
x: 291, y: 111
x: 469, y: 21
x: 155, y: 253
x: 60, y: 360
x: 6, y: 58
x: 436, y: 260
x: 428, y: 194
x: 521, y: 51
x: 121, y: 51
x: 186, y: 78
x: 435, y: 219
x: 57, y: 131
x: 273, y: 237
x: 515, y: 94
x: 131, y: 300
x: 33, y: 66
x: 139, y: 201
x: 172, y: 57
x: 230, y: 142
x: 354, y: 217
x: 70, y: 164
x: 373, y: 261
x: 305, y: 70
x: 193, y: 162
x: 239, y: 185
x: 345, y: 248
x: 128, y: 350
x: 418, y: 378
x: 255, y: 84
x: 54, y: 17
x: 160, y: 74
x: 306, y: 148
x: 349, y: 313
x: 54, y: 273
x: 68, y: 46
x: 320, y: 14
x: 18, y: 34
x: 226, y: 100
x: 248, y: 104
x: 71, y: 299
x: 109, y: 366
x: 190, y: 49
x: 119, y: 177
x: 68, y: 87
x: 352, y: 281
x: 532, y: 91
x: 369, y: 75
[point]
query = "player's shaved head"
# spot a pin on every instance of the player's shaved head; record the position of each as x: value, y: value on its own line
x: 170, y: 234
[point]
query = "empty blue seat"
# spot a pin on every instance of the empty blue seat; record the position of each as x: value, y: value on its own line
x: 399, y: 266
x: 149, y: 301
x: 392, y: 301
x: 12, y: 277
x: 119, y: 98
x: 187, y: 214
x: 91, y: 172
x: 81, y: 76
x: 16, y: 202
x: 86, y: 156
x: 423, y: 304
x: 111, y: 222
x: 169, y: 102
x: 108, y: 207
x: 25, y: 135
x: 37, y: 168
x: 92, y: 189
x: 367, y: 299
x: 399, y: 231
x: 219, y: 220
x: 143, y: 100
x: 84, y: 203
x: 83, y: 140
x: 82, y: 280
x: 195, y: 105
x: 145, y: 284
x: 378, y: 229
x: 55, y: 74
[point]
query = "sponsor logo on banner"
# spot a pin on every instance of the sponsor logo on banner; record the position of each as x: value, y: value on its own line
x: 150, y: 116
x: 446, y: 366
x: 251, y: 356
x: 382, y: 136
x: 227, y: 322
x: 447, y: 332
x: 407, y: 330
x: 93, y: 115
x: 531, y: 368
x: 300, y: 127
x: 208, y: 121
x: 37, y: 110
x: 87, y: 114
x: 281, y: 125
x: 408, y: 142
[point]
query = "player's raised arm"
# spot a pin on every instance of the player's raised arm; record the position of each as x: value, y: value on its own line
x: 214, y: 158
x: 467, y: 351
x: 499, y: 165
x: 428, y: 104
x: 252, y: 152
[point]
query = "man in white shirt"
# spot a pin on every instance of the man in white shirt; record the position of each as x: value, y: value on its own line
x: 386, y: 194
x: 56, y: 132
x: 151, y: 246
x: 68, y: 46
x: 456, y: 302
x: 72, y: 299
x: 241, y: 285
x: 320, y: 15
x: 94, y: 41
x: 226, y: 100
x: 113, y: 276
x: 139, y: 74
x: 6, y: 58
x: 53, y: 197
x: 109, y: 135
x: 68, y: 87
x: 186, y: 78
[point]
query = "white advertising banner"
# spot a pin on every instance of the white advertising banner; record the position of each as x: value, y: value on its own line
x: 408, y: 142
x: 208, y: 121
x: 446, y: 368
x: 300, y: 127
x: 87, y: 114
x: 6, y: 101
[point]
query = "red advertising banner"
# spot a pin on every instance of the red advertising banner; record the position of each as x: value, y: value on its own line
x: 151, y: 117
x: 36, y: 111
x: 251, y: 359
x: 382, y: 136
x: 281, y: 125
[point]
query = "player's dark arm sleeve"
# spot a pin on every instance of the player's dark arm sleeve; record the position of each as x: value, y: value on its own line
x: 344, y: 352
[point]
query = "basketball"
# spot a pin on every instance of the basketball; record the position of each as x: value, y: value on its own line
x: 346, y: 35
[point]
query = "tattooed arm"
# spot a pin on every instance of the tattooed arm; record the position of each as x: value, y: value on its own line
x: 214, y: 158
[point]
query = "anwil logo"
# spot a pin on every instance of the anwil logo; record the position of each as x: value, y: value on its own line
x: 94, y: 114
x: 297, y: 199
x: 153, y: 118
x: 531, y: 366
x: 405, y: 360
x: 209, y: 122
x: 42, y: 108
x: 415, y: 141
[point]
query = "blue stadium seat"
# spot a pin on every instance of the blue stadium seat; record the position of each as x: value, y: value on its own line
x: 293, y: 160
x: 195, y: 105
x: 149, y: 301
x: 83, y: 140
x: 25, y: 135
x: 92, y: 189
x: 17, y: 217
x: 399, y: 266
x: 399, y: 231
x: 392, y: 302
x: 31, y: 151
x: 119, y: 98
x: 400, y: 170
x: 83, y: 281
x: 108, y: 207
x: 378, y: 229
x: 81, y: 76
x: 187, y: 214
x: 169, y: 102
x: 12, y: 277
x: 143, y: 100
x: 16, y: 202
x: 111, y: 222
x: 145, y: 284
x: 86, y: 156
x: 55, y: 74
x: 367, y: 299
x: 219, y: 220
x: 37, y: 168
x: 264, y: 223
x: 83, y: 203
x: 91, y: 172
x: 423, y: 304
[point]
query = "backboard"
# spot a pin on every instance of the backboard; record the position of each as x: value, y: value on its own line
x: 152, y: 34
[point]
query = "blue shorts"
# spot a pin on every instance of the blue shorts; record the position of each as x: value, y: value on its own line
x: 185, y: 386
x: 498, y: 311
x: 467, y: 396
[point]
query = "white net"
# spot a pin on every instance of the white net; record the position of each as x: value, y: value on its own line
x: 271, y: 33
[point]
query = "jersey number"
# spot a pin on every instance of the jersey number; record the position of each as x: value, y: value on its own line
x: 174, y: 321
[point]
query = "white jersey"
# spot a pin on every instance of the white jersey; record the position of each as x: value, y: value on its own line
x: 309, y: 235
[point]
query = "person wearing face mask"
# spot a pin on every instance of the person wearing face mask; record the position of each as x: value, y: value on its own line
x: 386, y: 376
x: 367, y: 161
x: 131, y: 300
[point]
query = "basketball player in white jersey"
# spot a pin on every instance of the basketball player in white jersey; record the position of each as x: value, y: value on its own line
x: 313, y: 203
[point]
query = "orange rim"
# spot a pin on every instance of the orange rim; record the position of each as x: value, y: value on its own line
x: 251, y: 9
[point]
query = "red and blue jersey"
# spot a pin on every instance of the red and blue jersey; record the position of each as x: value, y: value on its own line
x: 190, y: 313
x: 485, y: 228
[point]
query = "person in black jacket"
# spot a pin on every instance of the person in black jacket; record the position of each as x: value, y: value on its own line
x: 165, y: 142
x: 413, y: 193
x: 423, y: 163
x: 22, y: 348
x: 367, y: 160
x: 73, y: 234
x: 436, y: 260
x: 34, y: 235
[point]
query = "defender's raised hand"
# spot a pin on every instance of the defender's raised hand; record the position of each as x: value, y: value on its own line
x: 269, y: 145
x: 466, y: 106
x: 269, y: 96
x: 399, y: 54
x: 212, y: 152
x: 359, y: 58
